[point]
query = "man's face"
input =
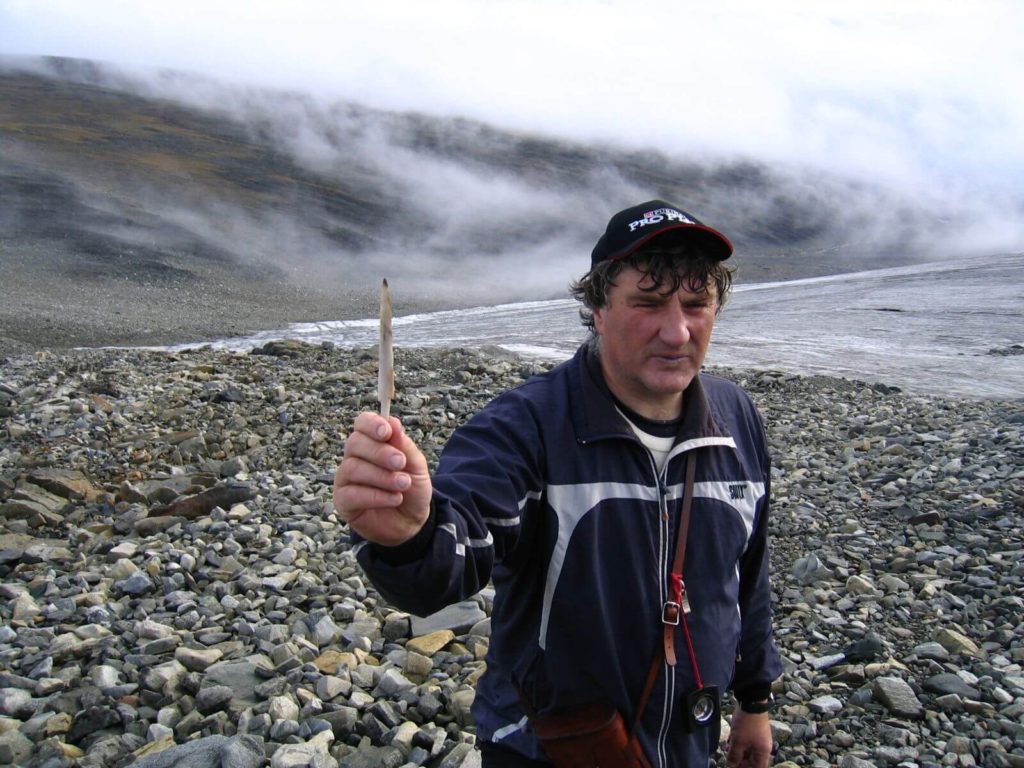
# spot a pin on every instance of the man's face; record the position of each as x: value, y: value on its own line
x: 653, y: 343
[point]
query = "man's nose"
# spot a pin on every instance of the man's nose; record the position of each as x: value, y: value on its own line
x: 675, y: 326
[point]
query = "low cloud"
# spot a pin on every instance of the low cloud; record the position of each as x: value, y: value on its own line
x: 895, y: 116
x: 912, y: 92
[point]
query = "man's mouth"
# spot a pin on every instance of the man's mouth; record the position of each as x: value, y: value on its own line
x: 671, y: 359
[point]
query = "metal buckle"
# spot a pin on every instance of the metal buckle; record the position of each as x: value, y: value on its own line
x: 670, y: 613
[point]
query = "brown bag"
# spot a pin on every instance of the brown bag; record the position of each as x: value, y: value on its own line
x: 592, y: 736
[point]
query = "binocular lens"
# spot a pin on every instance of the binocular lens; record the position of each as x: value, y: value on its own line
x: 701, y: 707
x: 704, y: 709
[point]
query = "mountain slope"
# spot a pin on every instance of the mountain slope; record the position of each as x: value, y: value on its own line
x: 273, y: 206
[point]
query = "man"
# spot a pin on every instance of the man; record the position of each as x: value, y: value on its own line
x: 567, y: 492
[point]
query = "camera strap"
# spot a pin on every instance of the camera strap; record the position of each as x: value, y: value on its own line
x: 677, y: 606
x: 674, y: 610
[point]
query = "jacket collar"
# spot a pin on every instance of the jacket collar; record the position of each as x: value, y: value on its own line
x: 595, y: 416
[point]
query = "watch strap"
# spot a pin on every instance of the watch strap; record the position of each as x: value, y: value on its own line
x: 758, y: 707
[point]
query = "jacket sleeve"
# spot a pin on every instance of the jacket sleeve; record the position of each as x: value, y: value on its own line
x: 758, y: 662
x: 486, y: 475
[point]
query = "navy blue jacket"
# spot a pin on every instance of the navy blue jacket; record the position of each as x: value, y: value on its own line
x: 548, y: 492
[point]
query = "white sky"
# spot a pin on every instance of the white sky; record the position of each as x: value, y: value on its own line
x: 919, y: 93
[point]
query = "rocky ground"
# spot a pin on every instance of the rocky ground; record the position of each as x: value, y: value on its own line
x: 176, y: 589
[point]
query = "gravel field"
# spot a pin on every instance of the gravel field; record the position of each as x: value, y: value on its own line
x: 176, y: 589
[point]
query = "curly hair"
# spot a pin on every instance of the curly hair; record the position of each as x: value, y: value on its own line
x: 669, y: 268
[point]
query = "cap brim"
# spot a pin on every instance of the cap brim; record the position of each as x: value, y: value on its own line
x: 717, y: 244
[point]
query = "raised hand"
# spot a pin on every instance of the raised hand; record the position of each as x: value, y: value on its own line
x: 382, y: 488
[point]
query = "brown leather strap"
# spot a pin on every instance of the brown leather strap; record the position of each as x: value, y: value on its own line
x: 652, y: 675
x: 670, y: 613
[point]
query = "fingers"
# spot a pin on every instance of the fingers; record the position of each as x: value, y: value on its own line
x: 372, y: 473
x: 373, y: 441
x: 355, y: 471
x: 360, y: 486
x: 745, y: 756
x: 732, y: 755
x: 351, y: 500
x: 371, y: 432
x: 382, y: 488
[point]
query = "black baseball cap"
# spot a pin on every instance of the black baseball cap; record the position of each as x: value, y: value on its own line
x: 629, y: 229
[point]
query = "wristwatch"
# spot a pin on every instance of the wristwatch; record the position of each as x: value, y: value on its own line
x: 758, y: 707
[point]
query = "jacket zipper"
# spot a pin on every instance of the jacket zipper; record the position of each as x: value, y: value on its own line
x: 664, y: 529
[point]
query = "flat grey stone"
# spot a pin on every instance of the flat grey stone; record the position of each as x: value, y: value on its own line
x: 239, y: 675
x: 15, y: 748
x: 459, y: 618
x: 208, y: 752
x: 947, y: 683
x: 213, y: 698
x: 16, y: 703
x: 898, y: 697
x: 931, y: 650
x: 825, y: 705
